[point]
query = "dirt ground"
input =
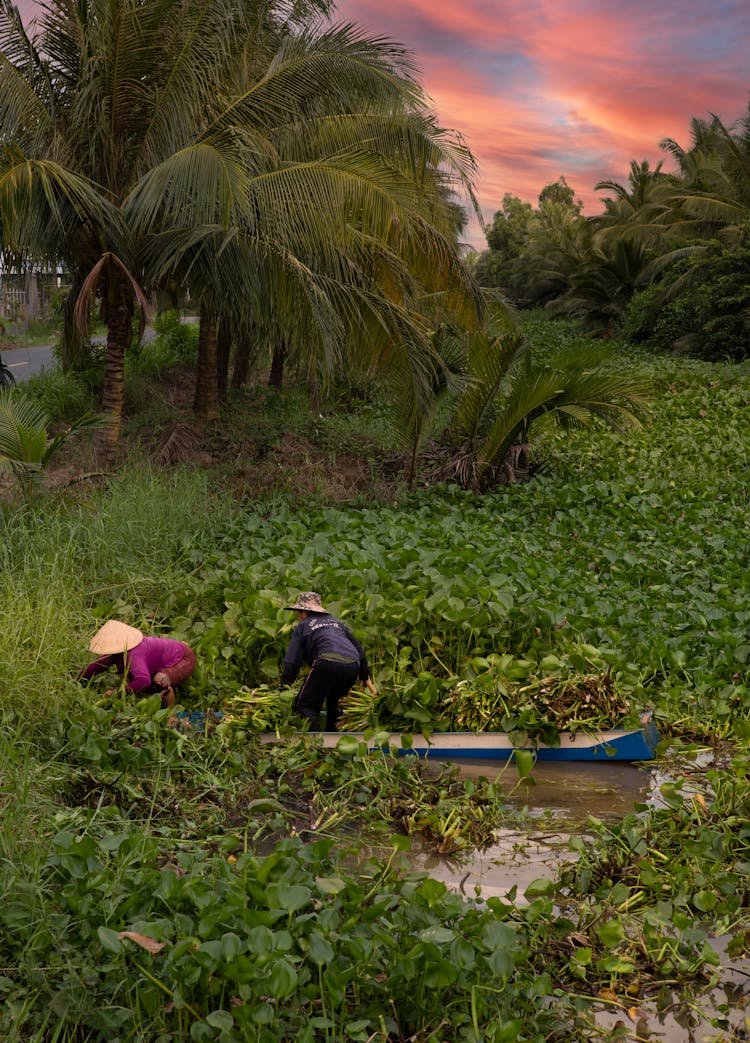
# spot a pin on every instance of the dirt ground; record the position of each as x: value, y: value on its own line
x: 239, y: 455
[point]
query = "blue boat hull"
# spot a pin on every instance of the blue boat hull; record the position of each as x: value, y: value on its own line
x: 637, y: 744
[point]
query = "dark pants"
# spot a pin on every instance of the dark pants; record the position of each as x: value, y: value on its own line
x: 328, y: 682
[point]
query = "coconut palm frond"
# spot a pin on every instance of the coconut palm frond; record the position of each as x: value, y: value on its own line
x: 25, y: 446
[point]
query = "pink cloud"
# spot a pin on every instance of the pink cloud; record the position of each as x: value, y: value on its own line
x: 540, y: 89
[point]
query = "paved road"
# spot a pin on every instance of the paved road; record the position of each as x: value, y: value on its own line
x: 25, y: 362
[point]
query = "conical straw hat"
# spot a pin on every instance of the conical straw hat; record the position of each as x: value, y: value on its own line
x: 114, y: 637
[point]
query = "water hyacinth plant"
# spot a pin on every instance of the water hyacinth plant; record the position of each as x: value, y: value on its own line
x: 204, y: 885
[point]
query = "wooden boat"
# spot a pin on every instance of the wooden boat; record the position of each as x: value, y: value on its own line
x: 634, y: 744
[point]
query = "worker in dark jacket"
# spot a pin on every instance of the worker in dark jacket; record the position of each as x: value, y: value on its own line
x: 334, y: 655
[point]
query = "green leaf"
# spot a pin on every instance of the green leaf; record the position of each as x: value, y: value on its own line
x: 320, y: 951
x: 350, y: 746
x: 281, y: 980
x: 330, y: 885
x: 611, y: 933
x: 705, y: 901
x: 220, y: 1019
x: 231, y: 946
x: 290, y: 897
x: 542, y: 885
x: 109, y: 939
x: 524, y: 760
x: 438, y: 935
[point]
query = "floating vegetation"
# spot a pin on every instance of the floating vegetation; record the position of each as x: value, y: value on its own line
x: 615, y: 580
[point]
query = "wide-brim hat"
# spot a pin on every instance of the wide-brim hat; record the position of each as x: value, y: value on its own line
x: 308, y: 601
x: 114, y: 637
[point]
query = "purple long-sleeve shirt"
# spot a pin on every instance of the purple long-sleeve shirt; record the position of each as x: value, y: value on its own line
x: 149, y: 656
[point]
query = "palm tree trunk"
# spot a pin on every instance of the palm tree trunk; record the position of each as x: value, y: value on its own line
x: 241, y: 360
x: 118, y: 296
x: 276, y: 376
x: 223, y: 349
x: 206, y: 400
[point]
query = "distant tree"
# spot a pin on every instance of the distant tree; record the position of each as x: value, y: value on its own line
x: 560, y: 240
x: 600, y: 288
x: 507, y: 238
x: 702, y: 310
x: 712, y: 197
x: 642, y: 202
x: 561, y: 193
x: 516, y: 262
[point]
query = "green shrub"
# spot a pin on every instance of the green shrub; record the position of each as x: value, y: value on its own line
x: 709, y: 317
x: 174, y: 344
x: 62, y: 396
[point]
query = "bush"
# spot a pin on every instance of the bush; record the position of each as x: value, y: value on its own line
x: 710, y: 315
x: 62, y: 396
x: 174, y: 344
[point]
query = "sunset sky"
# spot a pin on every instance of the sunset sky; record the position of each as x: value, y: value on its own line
x: 544, y: 88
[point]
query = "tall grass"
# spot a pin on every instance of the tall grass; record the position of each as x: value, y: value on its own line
x: 60, y: 568
x: 58, y: 565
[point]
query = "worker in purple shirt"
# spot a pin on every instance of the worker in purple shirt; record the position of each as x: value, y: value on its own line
x: 334, y: 655
x: 150, y: 664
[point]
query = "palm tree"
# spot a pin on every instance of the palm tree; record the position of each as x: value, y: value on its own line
x: 502, y: 394
x: 139, y: 135
x: 99, y: 95
x: 340, y: 219
x: 26, y: 449
x: 710, y: 197
x: 559, y: 242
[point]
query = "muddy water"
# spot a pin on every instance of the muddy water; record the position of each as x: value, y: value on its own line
x: 556, y: 804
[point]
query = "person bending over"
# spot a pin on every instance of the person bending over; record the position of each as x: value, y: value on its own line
x: 334, y: 655
x: 149, y: 664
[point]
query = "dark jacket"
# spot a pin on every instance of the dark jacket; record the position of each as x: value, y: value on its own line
x: 322, y: 637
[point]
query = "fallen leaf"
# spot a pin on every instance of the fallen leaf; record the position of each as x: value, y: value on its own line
x: 149, y: 944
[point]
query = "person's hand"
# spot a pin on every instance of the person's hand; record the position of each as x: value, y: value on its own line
x: 162, y: 679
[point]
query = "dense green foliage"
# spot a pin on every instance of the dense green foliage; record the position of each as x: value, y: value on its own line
x: 708, y: 312
x: 121, y: 833
x: 26, y: 448
x: 665, y: 260
x: 286, y: 172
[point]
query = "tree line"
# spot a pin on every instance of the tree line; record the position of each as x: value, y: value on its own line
x: 666, y: 262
